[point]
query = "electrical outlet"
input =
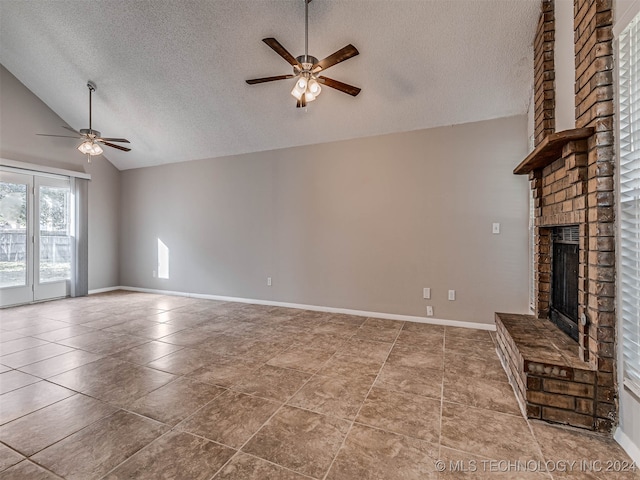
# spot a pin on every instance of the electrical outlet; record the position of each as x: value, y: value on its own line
x: 155, y: 274
x: 452, y: 294
x: 429, y: 311
x: 268, y: 281
x: 496, y: 228
x: 426, y: 293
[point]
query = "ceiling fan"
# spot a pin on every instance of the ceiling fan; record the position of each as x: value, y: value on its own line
x: 91, y: 138
x: 306, y: 68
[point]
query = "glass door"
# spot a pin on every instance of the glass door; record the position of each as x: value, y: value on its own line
x: 53, y: 240
x: 16, y: 244
x: 36, y: 245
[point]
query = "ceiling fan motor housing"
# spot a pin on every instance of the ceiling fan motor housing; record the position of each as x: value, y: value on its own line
x: 307, y: 62
x: 90, y: 132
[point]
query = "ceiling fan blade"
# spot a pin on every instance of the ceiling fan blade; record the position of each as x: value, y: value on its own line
x: 71, y: 129
x: 268, y: 79
x: 61, y: 136
x: 280, y: 50
x: 119, y: 140
x: 113, y: 145
x: 341, y: 55
x: 343, y: 87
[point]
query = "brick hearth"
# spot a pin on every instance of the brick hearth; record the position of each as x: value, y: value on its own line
x: 542, y: 364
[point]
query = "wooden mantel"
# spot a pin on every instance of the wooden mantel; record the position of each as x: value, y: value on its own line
x: 550, y: 149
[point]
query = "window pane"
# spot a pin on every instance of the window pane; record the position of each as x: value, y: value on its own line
x: 55, y: 241
x: 13, y: 234
x: 629, y: 198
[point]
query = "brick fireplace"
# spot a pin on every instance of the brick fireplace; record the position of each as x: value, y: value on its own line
x: 557, y: 378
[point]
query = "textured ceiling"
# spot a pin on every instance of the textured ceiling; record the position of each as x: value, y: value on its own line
x: 170, y: 73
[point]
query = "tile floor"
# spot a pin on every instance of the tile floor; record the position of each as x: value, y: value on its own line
x: 139, y: 386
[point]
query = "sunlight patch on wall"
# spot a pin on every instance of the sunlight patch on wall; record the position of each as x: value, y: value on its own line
x: 163, y: 260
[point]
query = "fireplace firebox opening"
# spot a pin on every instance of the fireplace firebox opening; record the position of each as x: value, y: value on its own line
x: 563, y: 308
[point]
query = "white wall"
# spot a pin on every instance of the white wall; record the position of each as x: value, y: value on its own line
x: 22, y: 115
x: 362, y: 224
x: 628, y: 433
x: 564, y: 61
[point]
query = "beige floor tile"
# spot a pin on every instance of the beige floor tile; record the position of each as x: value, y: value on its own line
x: 596, y: 456
x: 26, y: 470
x: 102, y: 342
x: 402, y: 413
x: 95, y: 450
x: 62, y: 333
x: 378, y: 334
x: 424, y: 328
x: 383, y: 323
x: 8, y: 457
x: 462, y: 365
x: 345, y: 319
x: 33, y: 355
x: 334, y: 396
x: 44, y: 427
x: 416, y: 356
x: 43, y: 325
x: 231, y: 418
x: 471, y: 333
x: 482, y: 393
x: 371, y: 454
x: 273, y: 383
x: 361, y: 347
x: 6, y: 336
x: 60, y: 364
x: 248, y: 467
x: 175, y: 401
x: 421, y: 338
x: 301, y: 358
x: 300, y: 440
x: 175, y: 456
x: 14, y: 379
x: 25, y: 400
x: 19, y: 344
x: 350, y: 366
x: 487, y: 433
x: 455, y: 464
x: 113, y: 380
x: 416, y: 380
x: 224, y: 371
x: 147, y: 352
x: 182, y: 362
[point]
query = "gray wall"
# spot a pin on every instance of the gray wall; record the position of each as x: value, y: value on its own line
x: 22, y: 115
x: 362, y: 224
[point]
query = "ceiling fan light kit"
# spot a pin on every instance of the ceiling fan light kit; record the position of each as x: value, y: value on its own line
x: 90, y: 148
x: 91, y: 138
x: 306, y: 68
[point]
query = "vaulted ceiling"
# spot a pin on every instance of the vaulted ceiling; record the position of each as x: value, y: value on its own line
x: 171, y: 74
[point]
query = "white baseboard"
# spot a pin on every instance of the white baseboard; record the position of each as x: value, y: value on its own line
x: 317, y: 308
x: 103, y: 290
x: 627, y: 444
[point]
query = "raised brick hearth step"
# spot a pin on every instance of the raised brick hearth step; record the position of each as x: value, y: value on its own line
x: 543, y: 366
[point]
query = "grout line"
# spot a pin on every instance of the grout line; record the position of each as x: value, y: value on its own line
x: 28, y: 460
x: 262, y: 426
x: 344, y: 440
